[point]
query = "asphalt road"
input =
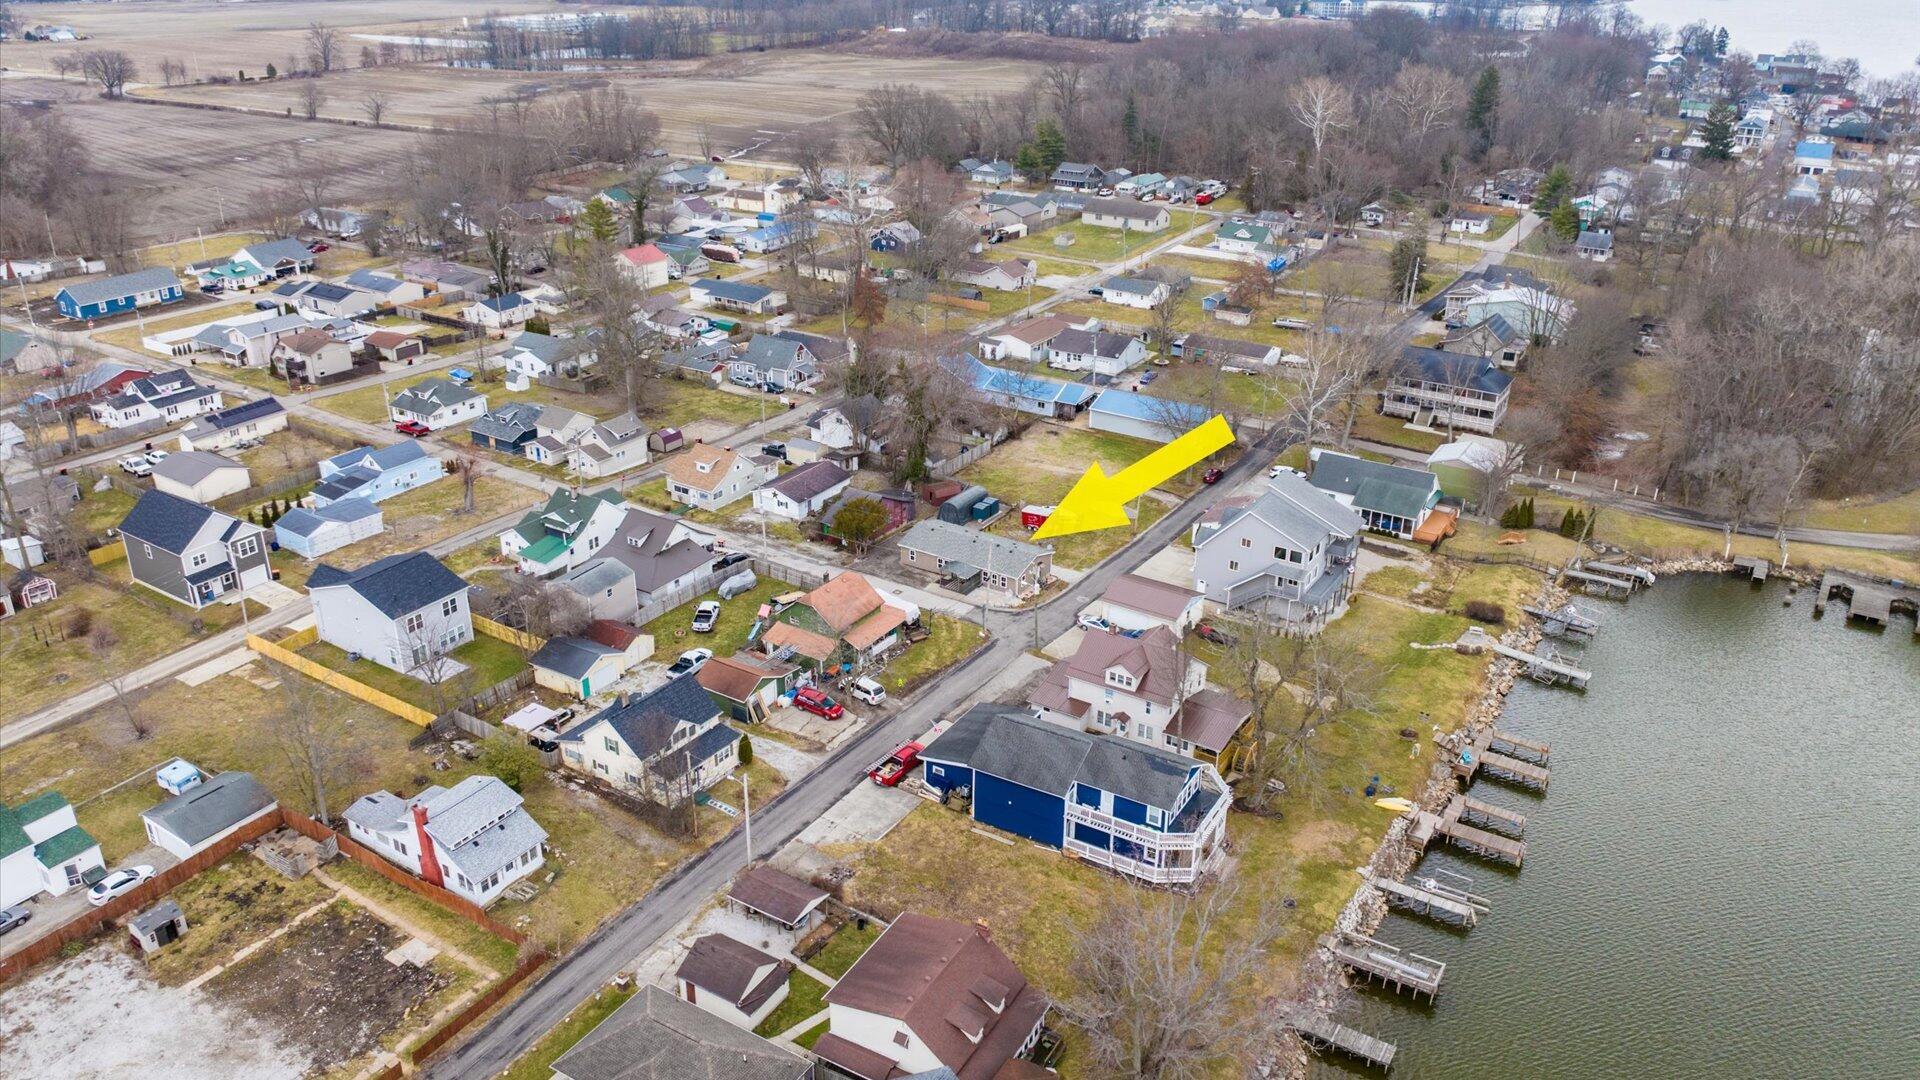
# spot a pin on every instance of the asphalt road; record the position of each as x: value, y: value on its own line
x: 618, y: 943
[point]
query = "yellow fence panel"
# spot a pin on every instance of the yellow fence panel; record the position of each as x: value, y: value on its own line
x: 529, y: 642
x: 347, y: 685
x: 107, y: 553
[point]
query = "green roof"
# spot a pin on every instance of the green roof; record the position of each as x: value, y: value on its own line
x: 60, y: 847
x: 40, y: 805
x: 618, y: 194
x: 15, y: 819
x: 548, y: 549
x: 12, y: 836
x: 1387, y: 497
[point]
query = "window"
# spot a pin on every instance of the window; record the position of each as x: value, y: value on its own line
x: 450, y: 606
x: 1233, y: 564
x: 612, y: 746
x: 146, y: 550
x: 414, y: 623
x: 599, y: 767
x: 1246, y: 541
x: 245, y: 546
x: 901, y: 1038
x: 400, y: 846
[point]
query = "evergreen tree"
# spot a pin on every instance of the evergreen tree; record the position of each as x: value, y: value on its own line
x: 1717, y: 131
x: 598, y: 220
x: 1407, y: 264
x: 1553, y: 190
x: 639, y: 220
x: 1049, y: 145
x: 746, y: 751
x: 1529, y: 520
x: 1565, y: 222
x: 1483, y: 107
x: 1513, y: 517
x: 1027, y: 160
x: 1720, y: 42
x: 1130, y: 124
x: 271, y: 71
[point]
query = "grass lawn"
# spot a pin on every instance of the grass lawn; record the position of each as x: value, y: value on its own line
x: 368, y: 403
x: 807, y: 1038
x: 99, y: 511
x: 257, y: 377
x: 489, y: 661
x: 473, y: 556
x: 1392, y: 430
x: 805, y: 996
x: 287, y: 452
x: 1063, y: 266
x: 43, y: 661
x: 678, y: 402
x: 128, y: 335
x: 1200, y: 267
x: 950, y: 640
x: 1097, y: 243
x: 672, y: 633
x: 1662, y: 539
x: 1898, y: 514
x: 178, y: 254
x: 228, y: 906
x: 845, y: 946
x: 537, y: 1062
x: 431, y: 513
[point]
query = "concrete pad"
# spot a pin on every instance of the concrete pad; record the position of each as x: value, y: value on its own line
x: 416, y: 952
x: 863, y: 816
x: 271, y: 594
x: 1066, y: 644
x: 1172, y: 564
x: 1009, y: 683
x: 216, y: 667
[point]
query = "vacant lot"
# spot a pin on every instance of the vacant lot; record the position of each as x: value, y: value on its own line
x: 427, y: 515
x: 194, y: 169
x: 744, y: 100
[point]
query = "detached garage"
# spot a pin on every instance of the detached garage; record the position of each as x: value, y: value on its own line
x: 312, y: 533
x: 1158, y: 419
x: 201, y: 816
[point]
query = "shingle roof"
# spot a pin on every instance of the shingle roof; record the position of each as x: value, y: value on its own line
x: 113, y: 288
x: 1388, y: 489
x: 740, y: 974
x: 168, y: 522
x: 809, y: 481
x: 779, y: 896
x: 211, y: 808
x: 991, y: 553
x: 1014, y: 745
x: 301, y: 521
x: 1453, y: 369
x: 743, y: 292
x: 570, y: 656
x: 1131, y: 209
x: 1144, y: 594
x: 647, y: 722
x: 656, y: 1036
x: 192, y: 466
x: 511, y: 422
x: 431, y: 395
x: 1091, y: 342
x: 1133, y: 286
x: 269, y: 253
x: 396, y: 585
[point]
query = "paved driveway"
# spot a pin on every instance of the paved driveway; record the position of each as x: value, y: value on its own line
x: 50, y: 913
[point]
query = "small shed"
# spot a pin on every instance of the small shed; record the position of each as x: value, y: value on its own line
x: 939, y: 491
x: 959, y: 509
x: 178, y: 775
x: 312, y: 533
x: 158, y: 926
x: 666, y: 440
x: 22, y: 552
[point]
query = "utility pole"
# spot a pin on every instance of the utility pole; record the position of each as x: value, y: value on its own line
x: 746, y: 810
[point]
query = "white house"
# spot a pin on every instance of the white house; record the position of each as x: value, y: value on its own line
x: 200, y: 476
x: 742, y: 296
x: 43, y: 849
x: 1143, y: 293
x: 802, y: 492
x: 646, y: 265
x: 1133, y: 602
x: 1470, y: 223
x: 609, y: 448
x: 707, y: 477
x: 437, y: 403
x: 1144, y: 689
x: 500, y: 312
x: 1129, y: 214
x: 403, y: 612
x: 666, y: 744
x: 532, y: 357
x: 568, y: 531
x: 473, y: 839
x: 1007, y: 275
x: 1242, y: 237
x: 165, y: 396
x: 229, y: 427
x: 207, y: 813
x: 733, y: 980
x: 1098, y: 351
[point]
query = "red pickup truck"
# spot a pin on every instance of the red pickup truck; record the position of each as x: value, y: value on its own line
x: 896, y: 766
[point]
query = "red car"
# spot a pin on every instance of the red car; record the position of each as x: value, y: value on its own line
x: 319, y: 246
x: 898, y: 764
x: 819, y: 704
x: 412, y: 427
x: 1211, y: 476
x: 1202, y: 199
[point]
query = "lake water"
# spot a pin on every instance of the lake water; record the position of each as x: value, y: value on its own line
x: 1724, y: 880
x: 1884, y: 35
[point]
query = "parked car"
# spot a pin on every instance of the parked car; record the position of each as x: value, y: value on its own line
x: 1279, y: 470
x: 895, y: 767
x: 815, y: 701
x: 211, y: 290
x: 691, y: 660
x: 1089, y: 621
x: 705, y: 616
x: 774, y: 450
x: 868, y: 691
x: 412, y: 427
x: 14, y: 917
x: 1149, y: 377
x: 543, y: 739
x: 1211, y: 476
x: 155, y: 457
x: 744, y: 581
x: 1285, y: 322
x: 266, y: 305
x: 1212, y: 633
x: 137, y: 465
x: 1203, y: 198
x: 116, y: 883
x: 732, y: 558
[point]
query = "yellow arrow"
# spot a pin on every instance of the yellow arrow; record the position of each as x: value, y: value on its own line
x: 1099, y: 501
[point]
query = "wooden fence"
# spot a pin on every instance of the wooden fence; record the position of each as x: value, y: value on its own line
x: 107, y: 553
x: 127, y: 903
x: 529, y: 642
x: 432, y: 1043
x: 284, y: 653
x: 947, y: 300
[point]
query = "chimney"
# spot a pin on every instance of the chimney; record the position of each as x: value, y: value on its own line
x: 980, y: 927
x: 623, y: 699
x: 429, y: 862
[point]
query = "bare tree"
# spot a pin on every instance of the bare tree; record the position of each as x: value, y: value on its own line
x: 323, y: 47
x: 102, y: 642
x: 173, y: 71
x: 1157, y: 995
x: 1324, y: 108
x: 308, y: 731
x: 111, y: 68
x: 312, y: 97
x: 1525, y: 433
x: 374, y: 104
x: 466, y: 465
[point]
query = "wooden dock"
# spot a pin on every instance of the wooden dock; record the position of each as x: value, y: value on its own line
x: 1435, y: 898
x: 1481, y: 758
x: 1754, y: 568
x: 1322, y: 1033
x: 1565, y: 621
x: 1640, y: 576
x: 1870, y: 599
x: 1596, y: 584
x: 1515, y: 746
x: 1394, y: 967
x: 1499, y: 819
x: 1544, y: 666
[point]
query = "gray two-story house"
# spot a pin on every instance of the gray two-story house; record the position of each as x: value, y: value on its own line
x: 192, y: 553
x: 1286, y: 553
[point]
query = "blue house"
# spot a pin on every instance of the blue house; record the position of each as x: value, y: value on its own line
x: 374, y: 475
x: 1020, y: 390
x: 508, y: 428
x: 1137, y: 810
x: 114, y: 295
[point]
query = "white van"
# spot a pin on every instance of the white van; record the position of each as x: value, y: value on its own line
x: 868, y: 691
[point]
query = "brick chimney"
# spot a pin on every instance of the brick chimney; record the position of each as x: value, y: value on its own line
x: 429, y: 862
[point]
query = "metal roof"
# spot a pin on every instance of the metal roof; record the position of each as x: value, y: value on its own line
x: 121, y: 286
